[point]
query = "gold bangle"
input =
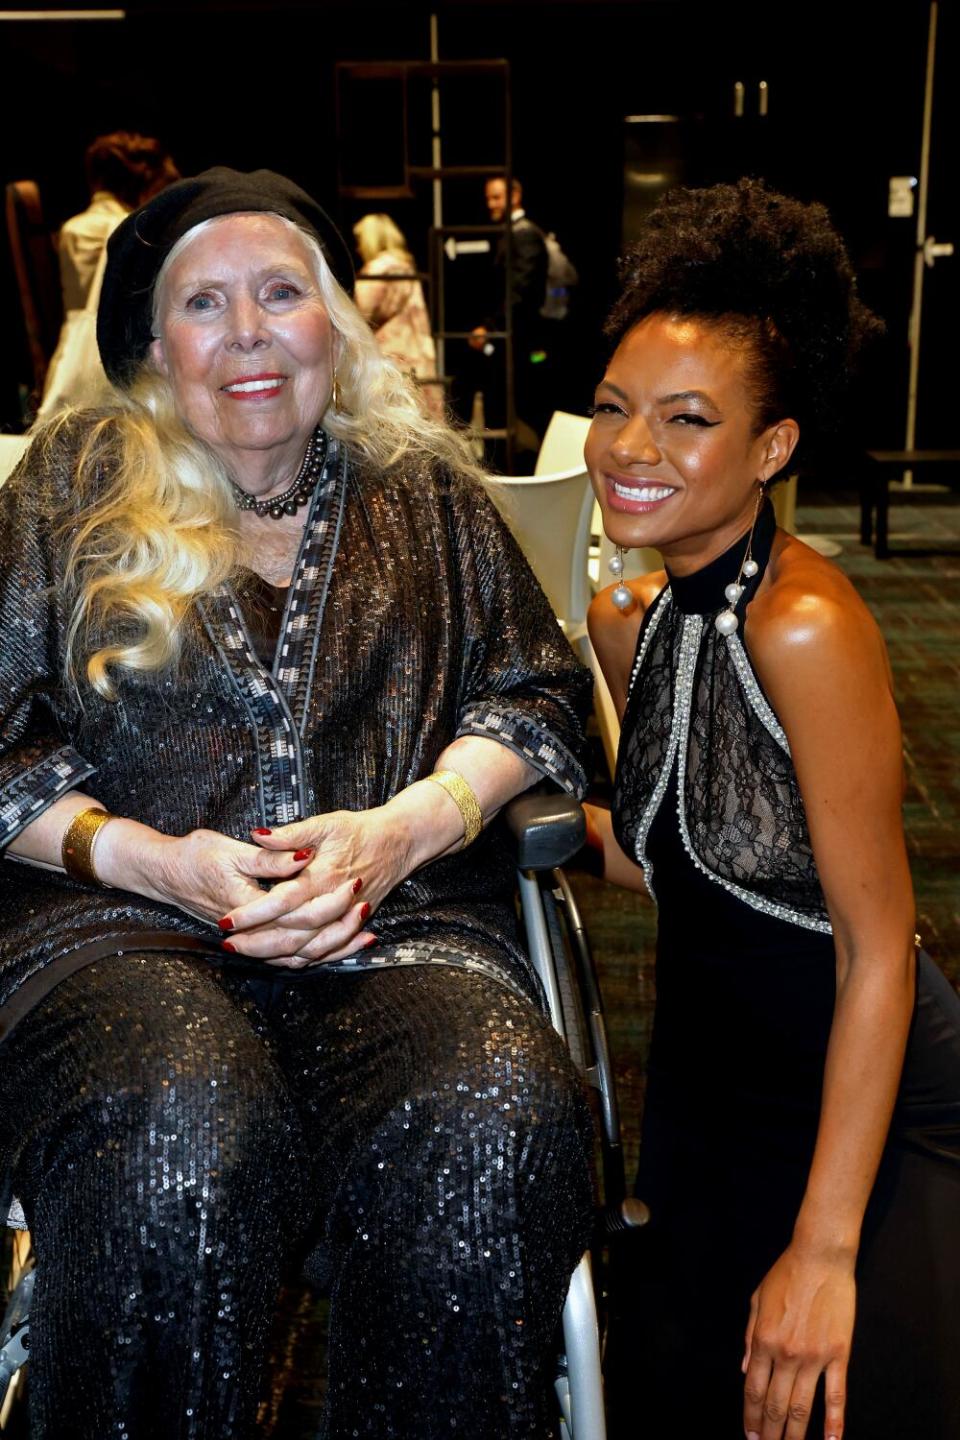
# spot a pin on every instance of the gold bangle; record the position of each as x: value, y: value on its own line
x: 465, y: 800
x: 76, y: 850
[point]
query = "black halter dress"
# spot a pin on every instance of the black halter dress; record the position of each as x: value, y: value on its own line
x: 707, y: 801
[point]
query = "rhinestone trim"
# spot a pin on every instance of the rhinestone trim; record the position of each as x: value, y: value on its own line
x: 693, y: 628
x: 756, y: 697
x: 659, y: 605
x: 686, y: 670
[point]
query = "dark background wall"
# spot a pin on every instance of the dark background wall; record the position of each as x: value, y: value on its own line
x: 253, y: 84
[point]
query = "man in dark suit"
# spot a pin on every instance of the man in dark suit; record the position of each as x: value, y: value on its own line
x: 527, y: 292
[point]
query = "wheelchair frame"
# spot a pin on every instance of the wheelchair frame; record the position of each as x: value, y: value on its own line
x: 548, y: 829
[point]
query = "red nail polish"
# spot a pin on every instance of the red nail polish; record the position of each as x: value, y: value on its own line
x: 225, y: 945
x: 364, y: 911
x: 357, y: 885
x: 226, y: 923
x: 372, y: 941
x: 302, y: 854
x: 261, y: 830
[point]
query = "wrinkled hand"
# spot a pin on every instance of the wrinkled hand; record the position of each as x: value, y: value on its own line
x: 317, y: 915
x: 204, y: 873
x: 800, y: 1326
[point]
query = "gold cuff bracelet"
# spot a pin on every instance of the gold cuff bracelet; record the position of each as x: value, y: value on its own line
x: 465, y: 800
x: 76, y: 850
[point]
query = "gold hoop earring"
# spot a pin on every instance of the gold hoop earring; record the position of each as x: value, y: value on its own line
x: 336, y: 394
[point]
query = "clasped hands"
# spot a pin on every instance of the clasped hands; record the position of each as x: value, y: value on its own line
x: 800, y: 1327
x: 327, y: 875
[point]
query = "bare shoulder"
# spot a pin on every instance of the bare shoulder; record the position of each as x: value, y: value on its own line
x: 613, y: 632
x: 808, y: 627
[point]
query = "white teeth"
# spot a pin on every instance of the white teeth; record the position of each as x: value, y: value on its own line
x: 246, y: 387
x: 645, y: 493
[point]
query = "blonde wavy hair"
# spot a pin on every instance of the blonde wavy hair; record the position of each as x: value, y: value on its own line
x: 375, y: 233
x: 155, y: 523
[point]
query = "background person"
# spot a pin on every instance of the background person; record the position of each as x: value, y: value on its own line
x: 523, y: 299
x: 395, y: 308
x: 801, y: 1132
x: 264, y: 627
x: 123, y: 171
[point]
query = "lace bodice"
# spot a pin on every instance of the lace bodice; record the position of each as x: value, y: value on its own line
x: 694, y: 704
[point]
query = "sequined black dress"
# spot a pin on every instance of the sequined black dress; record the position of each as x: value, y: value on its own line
x: 745, y: 994
x: 182, y: 1132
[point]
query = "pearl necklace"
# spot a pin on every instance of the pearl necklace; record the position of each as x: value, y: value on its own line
x: 298, y: 494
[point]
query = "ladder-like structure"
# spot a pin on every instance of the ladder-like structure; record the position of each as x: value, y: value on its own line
x: 443, y: 239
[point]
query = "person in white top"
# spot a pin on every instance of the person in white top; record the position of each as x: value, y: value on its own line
x: 124, y: 170
x: 390, y: 297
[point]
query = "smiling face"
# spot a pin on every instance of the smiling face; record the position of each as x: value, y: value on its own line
x: 246, y: 343
x: 496, y: 196
x: 673, y: 451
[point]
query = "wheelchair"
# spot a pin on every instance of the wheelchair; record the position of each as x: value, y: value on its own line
x: 547, y: 830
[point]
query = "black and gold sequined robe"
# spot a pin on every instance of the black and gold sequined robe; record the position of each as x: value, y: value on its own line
x: 412, y: 618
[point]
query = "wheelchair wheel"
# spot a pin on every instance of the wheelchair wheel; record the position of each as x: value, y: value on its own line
x: 574, y: 1019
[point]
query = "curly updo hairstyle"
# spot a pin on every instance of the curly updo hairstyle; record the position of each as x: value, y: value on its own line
x: 773, y: 275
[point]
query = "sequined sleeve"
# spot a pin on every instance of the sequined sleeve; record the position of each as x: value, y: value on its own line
x: 37, y: 762
x: 522, y: 684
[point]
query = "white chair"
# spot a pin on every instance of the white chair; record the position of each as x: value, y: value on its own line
x: 553, y: 519
x: 11, y: 448
x: 563, y: 442
x: 550, y: 515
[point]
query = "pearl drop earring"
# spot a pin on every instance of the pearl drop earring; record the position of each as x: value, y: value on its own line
x: 726, y: 622
x: 621, y: 596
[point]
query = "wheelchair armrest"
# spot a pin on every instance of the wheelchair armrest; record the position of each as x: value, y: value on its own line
x: 548, y: 829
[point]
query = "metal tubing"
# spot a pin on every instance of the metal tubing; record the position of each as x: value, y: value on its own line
x: 538, y: 940
x: 916, y: 311
x: 581, y: 1338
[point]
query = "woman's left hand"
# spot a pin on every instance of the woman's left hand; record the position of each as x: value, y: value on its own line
x: 358, y: 857
x: 800, y: 1326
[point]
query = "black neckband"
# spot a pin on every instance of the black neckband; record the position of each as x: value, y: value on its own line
x: 702, y: 592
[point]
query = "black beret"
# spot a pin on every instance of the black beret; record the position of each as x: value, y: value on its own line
x: 138, y: 247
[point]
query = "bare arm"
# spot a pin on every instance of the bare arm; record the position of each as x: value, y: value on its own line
x: 823, y: 664
x: 617, y: 867
x: 212, y: 876
x: 202, y: 873
x: 613, y: 635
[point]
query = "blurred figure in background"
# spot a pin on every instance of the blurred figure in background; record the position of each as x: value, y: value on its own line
x: 523, y: 298
x: 537, y: 298
x: 390, y: 297
x: 124, y: 170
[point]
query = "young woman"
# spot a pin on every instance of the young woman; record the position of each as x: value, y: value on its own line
x: 801, y: 1143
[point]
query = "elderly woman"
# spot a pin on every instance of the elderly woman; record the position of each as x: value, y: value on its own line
x: 271, y: 666
x: 801, y: 1141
